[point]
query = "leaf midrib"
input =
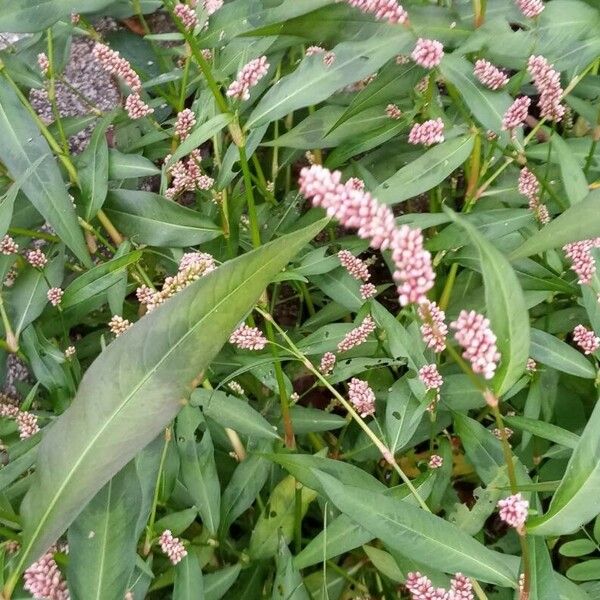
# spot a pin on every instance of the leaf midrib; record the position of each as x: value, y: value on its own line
x: 52, y: 503
x: 162, y: 223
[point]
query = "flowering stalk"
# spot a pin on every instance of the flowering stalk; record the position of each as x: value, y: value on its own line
x: 479, y: 7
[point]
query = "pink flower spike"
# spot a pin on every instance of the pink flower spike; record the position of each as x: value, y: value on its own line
x: 55, y: 295
x: 8, y: 245
x: 36, y: 258
x: 185, y: 122
x: 248, y: 338
x: 427, y: 133
x: 384, y: 10
x: 119, y: 325
x: 428, y: 53
x: 393, y: 112
x: 582, y: 261
x: 362, y: 397
x: 358, y: 335
x: 431, y: 378
x: 367, y: 291
x: 530, y: 8
x: 43, y: 579
x: 136, y: 108
x: 114, y: 64
x: 529, y: 186
x: 312, y: 50
x: 586, y: 339
x: 355, y: 266
x: 489, y: 75
x: 247, y: 78
x: 473, y: 333
x: 27, y: 423
x: 212, y: 6
x: 419, y: 586
x: 327, y: 363
x: 547, y: 82
x: 435, y: 461
x: 43, y: 63
x: 514, y: 510
x: 516, y: 113
x: 172, y: 547
x: 186, y: 15
x: 434, y: 330
x: 531, y: 366
x: 461, y: 588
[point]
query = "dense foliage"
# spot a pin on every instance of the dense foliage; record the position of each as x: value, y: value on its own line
x: 300, y: 299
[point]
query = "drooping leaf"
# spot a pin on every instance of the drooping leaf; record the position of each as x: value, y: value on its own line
x: 122, y: 405
x: 218, y: 583
x: 288, y: 584
x: 188, y: 579
x: 572, y: 175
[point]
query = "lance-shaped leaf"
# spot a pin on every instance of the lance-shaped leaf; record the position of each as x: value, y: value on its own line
x: 22, y: 147
x: 422, y: 535
x: 506, y: 308
x: 188, y: 580
x: 122, y: 404
x: 576, y: 501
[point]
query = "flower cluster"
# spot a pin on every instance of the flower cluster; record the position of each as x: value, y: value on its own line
x: 586, y: 339
x: 186, y: 15
x: 384, y: 10
x: 172, y: 547
x: 43, y: 578
x: 136, y: 108
x: 393, y: 112
x: 356, y: 208
x: 186, y: 119
x: 8, y: 245
x: 119, y: 325
x: 192, y: 266
x: 529, y: 187
x: 427, y: 133
x: 361, y: 396
x: 36, y: 258
x: 247, y: 78
x: 55, y: 295
x: 421, y: 588
x: 27, y: 422
x: 582, y: 261
x: 473, y: 333
x: 433, y: 329
x: 114, y: 64
x: 514, y: 510
x: 327, y: 363
x: 367, y: 290
x: 435, y: 461
x: 212, y: 6
x: 355, y: 266
x: 248, y: 338
x: 547, y: 82
x: 490, y: 75
x: 431, y: 378
x: 187, y: 176
x: 428, y: 53
x: 43, y: 63
x: 516, y: 114
x: 530, y: 8
x: 357, y: 336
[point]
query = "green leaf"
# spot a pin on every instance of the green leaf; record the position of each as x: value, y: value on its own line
x: 218, y: 583
x: 578, y: 222
x: 25, y: 16
x: 198, y: 469
x: 103, y: 539
x: 385, y: 563
x: 579, y: 547
x: 421, y: 535
x: 93, y: 170
x: 572, y: 175
x: 188, y: 579
x: 551, y: 351
x: 313, y: 420
x: 129, y: 166
x: 232, y: 412
x: 546, y: 431
x: 425, y: 172
x: 23, y: 146
x: 506, y: 308
x: 543, y: 584
x: 288, y: 584
x: 148, y: 218
x: 576, y: 500
x: 122, y: 405
x: 312, y: 82
x: 585, y: 571
x: 403, y: 413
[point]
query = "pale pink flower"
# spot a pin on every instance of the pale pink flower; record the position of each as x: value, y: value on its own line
x: 172, y: 547
x: 428, y: 53
x: 36, y: 258
x: 384, y: 10
x: 461, y: 588
x: 187, y: 176
x: 514, y: 510
x: 541, y: 213
x: 431, y: 378
x: 119, y: 325
x: 27, y: 423
x: 516, y: 113
x: 586, y: 339
x: 185, y: 122
x: 44, y: 580
x: 144, y: 294
x: 489, y: 75
x: 361, y: 396
x: 505, y: 434
x: 422, y: 84
x: 327, y: 363
x: 8, y: 245
x: 547, y: 82
x: 531, y: 365
x: 312, y: 50
x: 55, y: 295
x: 355, y: 266
x: 114, y: 64
x: 435, y: 461
x: 434, y: 330
x: 70, y: 352
x: 529, y: 186
x: 582, y: 261
x: 356, y: 184
x: 427, y: 133
x: 414, y: 274
x: 43, y: 63
x: 248, y: 338
x: 328, y: 58
x: 402, y: 59
x: 419, y: 586
x: 236, y: 388
x: 367, y: 290
x: 12, y: 546
x: 357, y: 336
x: 186, y: 15
x: 212, y: 6
x: 197, y: 262
x: 75, y: 18
x: 9, y: 411
x: 530, y: 8
x: 247, y: 78
x: 393, y: 112
x: 473, y: 333
x: 136, y: 108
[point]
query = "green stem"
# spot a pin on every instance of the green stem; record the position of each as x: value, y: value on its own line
x: 52, y: 93
x: 254, y: 227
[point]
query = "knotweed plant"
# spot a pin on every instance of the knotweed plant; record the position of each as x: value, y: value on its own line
x: 300, y: 299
